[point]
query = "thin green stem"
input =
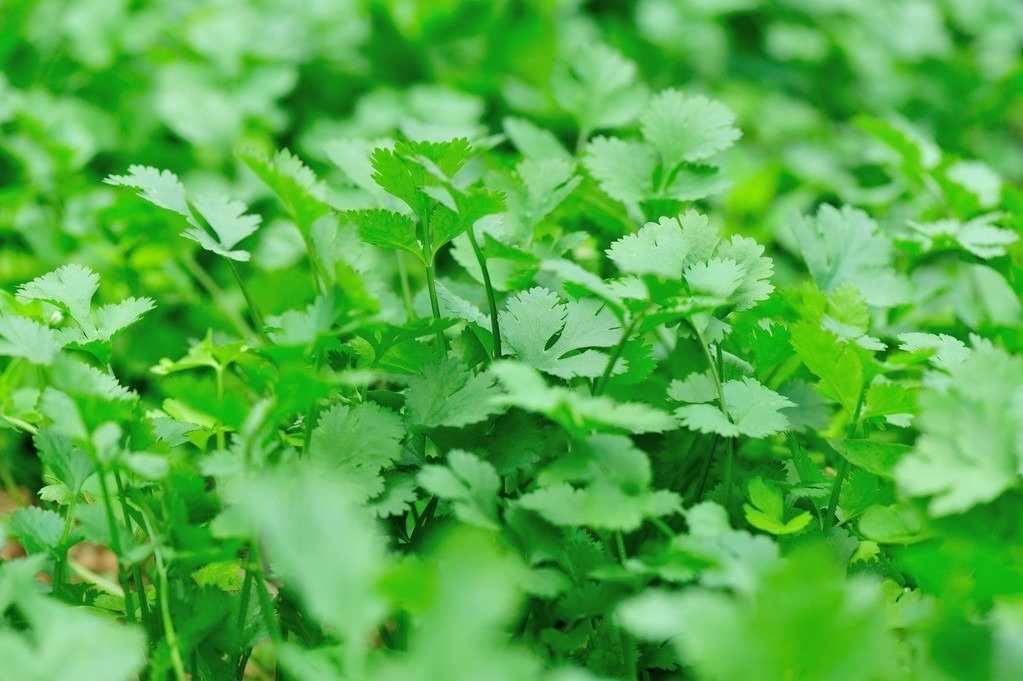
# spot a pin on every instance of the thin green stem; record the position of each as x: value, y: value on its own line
x: 140, y: 585
x: 431, y: 284
x: 320, y: 274
x: 705, y: 469
x: 95, y: 578
x: 177, y: 661
x: 628, y: 643
x: 257, y: 317
x: 221, y: 437
x: 620, y: 545
x: 60, y: 569
x: 115, y: 539
x: 601, y: 383
x: 716, y: 366
x: 217, y: 293
x: 495, y: 327
x: 664, y: 528
x: 263, y: 593
x: 714, y: 371
x: 841, y: 472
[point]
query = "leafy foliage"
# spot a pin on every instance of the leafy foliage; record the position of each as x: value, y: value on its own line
x: 564, y: 341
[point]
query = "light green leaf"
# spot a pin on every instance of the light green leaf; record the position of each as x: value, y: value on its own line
x: 599, y: 87
x: 532, y: 320
x: 576, y: 411
x: 838, y: 365
x: 71, y: 466
x: 766, y: 510
x: 388, y: 229
x: 471, y: 483
x: 70, y: 288
x: 449, y: 394
x: 159, y: 187
x: 879, y: 458
x: 294, y: 184
x: 687, y: 128
x: 970, y: 449
x: 623, y: 169
x: 229, y: 223
x: 753, y: 410
x: 357, y: 442
x: 21, y: 337
x: 845, y: 246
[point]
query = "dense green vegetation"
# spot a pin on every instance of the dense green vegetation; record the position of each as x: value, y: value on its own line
x: 456, y: 340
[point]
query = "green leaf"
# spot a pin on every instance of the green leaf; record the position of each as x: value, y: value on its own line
x: 71, y: 288
x: 21, y: 337
x: 574, y: 410
x: 229, y: 223
x: 388, y: 229
x: 37, y: 530
x: 116, y: 317
x: 893, y: 524
x: 598, y: 86
x: 323, y: 547
x: 159, y: 187
x: 69, y: 464
x: 838, y: 365
x: 794, y: 625
x: 665, y: 248
x: 535, y: 317
x: 766, y: 510
x: 70, y: 643
x: 294, y: 184
x: 845, y: 246
x: 534, y: 142
x: 725, y: 557
x: 878, y: 458
x: 753, y: 411
x: 357, y: 443
x: 970, y: 449
x: 623, y: 169
x: 395, y: 176
x: 697, y: 388
x: 687, y: 128
x: 470, y: 483
x: 449, y: 394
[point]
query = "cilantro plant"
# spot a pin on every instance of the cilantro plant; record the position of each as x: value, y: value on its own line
x: 566, y: 341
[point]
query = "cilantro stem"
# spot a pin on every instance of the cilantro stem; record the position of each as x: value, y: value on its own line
x: 320, y: 276
x: 716, y: 367
x: 620, y: 545
x: 217, y: 293
x: 495, y: 327
x: 705, y: 469
x: 263, y: 593
x: 841, y: 472
x: 60, y: 569
x: 601, y: 384
x: 257, y: 318
x: 177, y: 661
x: 431, y: 285
x: 714, y: 370
x: 140, y: 586
x: 115, y: 539
x: 664, y: 527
